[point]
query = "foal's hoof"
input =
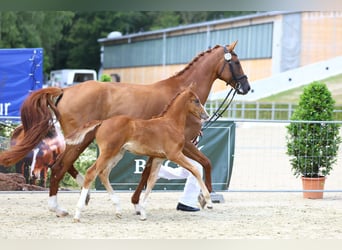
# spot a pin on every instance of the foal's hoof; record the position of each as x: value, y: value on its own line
x: 62, y: 214
x: 76, y: 220
x: 210, y: 206
x: 201, y: 200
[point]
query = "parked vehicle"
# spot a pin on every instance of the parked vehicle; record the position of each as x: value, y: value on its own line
x: 67, y: 77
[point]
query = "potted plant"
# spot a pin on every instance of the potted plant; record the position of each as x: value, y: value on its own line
x: 313, y: 139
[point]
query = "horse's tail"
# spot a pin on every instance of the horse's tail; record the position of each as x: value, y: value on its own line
x: 37, y: 121
x: 78, y: 135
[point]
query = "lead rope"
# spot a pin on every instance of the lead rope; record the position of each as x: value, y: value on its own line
x: 217, y: 114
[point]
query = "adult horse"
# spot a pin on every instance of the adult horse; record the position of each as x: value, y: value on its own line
x: 122, y: 133
x: 34, y: 166
x: 93, y: 100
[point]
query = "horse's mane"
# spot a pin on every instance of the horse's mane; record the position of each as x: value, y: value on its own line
x: 168, y: 105
x: 196, y: 59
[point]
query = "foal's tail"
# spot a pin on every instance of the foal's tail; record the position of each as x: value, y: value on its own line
x: 78, y: 135
x: 37, y: 121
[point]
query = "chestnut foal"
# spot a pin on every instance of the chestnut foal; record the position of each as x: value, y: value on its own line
x: 161, y: 137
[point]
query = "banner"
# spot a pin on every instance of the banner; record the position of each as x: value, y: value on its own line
x: 217, y: 143
x: 21, y: 71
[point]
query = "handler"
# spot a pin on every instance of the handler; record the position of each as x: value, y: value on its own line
x: 191, y: 194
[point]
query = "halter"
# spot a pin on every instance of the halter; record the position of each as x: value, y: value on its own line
x: 227, y: 59
x: 226, y: 102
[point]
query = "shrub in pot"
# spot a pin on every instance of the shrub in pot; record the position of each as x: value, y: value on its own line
x: 312, y: 139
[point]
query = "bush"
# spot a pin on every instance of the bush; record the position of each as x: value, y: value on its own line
x: 313, y: 146
x: 105, y: 78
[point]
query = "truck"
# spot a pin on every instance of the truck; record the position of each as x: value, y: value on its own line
x: 67, y: 77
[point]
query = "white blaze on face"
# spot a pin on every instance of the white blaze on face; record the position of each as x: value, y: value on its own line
x: 34, y: 159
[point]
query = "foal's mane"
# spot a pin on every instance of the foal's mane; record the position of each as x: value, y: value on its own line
x: 195, y: 60
x: 168, y: 105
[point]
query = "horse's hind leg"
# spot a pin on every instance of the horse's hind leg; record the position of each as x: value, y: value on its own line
x: 143, y: 180
x: 155, y: 166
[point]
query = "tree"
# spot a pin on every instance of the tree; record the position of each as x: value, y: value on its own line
x: 32, y: 29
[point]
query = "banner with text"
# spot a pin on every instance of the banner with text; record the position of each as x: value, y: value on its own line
x: 21, y: 71
x: 217, y: 143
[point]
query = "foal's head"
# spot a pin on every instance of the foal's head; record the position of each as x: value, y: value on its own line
x: 231, y: 71
x: 194, y: 105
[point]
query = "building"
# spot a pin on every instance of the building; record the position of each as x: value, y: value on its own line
x: 268, y: 43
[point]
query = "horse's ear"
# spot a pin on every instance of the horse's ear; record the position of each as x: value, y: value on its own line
x: 232, y: 46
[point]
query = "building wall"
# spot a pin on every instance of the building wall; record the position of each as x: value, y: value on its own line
x: 263, y: 47
x: 321, y: 36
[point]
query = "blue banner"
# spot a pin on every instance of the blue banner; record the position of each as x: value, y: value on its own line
x: 21, y: 72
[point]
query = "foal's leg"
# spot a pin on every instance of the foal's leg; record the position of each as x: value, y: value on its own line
x: 90, y: 176
x: 103, y: 163
x: 104, y: 174
x: 63, y: 164
x: 155, y: 166
x: 181, y: 160
x: 191, y: 151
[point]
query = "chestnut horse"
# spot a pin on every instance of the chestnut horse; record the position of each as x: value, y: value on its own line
x: 161, y: 138
x: 34, y: 166
x: 92, y: 100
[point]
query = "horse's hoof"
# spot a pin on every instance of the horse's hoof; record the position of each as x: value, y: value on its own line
x: 143, y: 218
x: 137, y: 209
x: 210, y: 206
x: 60, y: 212
x: 202, y: 200
x: 118, y: 215
x: 76, y: 220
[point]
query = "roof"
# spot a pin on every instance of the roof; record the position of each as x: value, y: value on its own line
x: 161, y: 32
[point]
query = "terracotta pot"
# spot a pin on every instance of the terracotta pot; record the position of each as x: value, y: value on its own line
x: 313, y: 184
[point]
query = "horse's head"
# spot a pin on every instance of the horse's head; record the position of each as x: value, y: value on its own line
x: 195, y: 106
x: 231, y: 71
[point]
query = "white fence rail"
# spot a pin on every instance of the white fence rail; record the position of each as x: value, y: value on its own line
x: 262, y: 165
x: 260, y: 110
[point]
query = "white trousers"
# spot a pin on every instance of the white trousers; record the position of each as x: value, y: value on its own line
x: 191, y: 189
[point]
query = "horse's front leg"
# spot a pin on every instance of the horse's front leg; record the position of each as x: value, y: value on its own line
x: 154, y: 169
x: 191, y: 151
x: 57, y: 172
x: 144, y: 177
x: 63, y: 164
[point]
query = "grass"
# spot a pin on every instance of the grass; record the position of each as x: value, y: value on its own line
x: 334, y: 84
